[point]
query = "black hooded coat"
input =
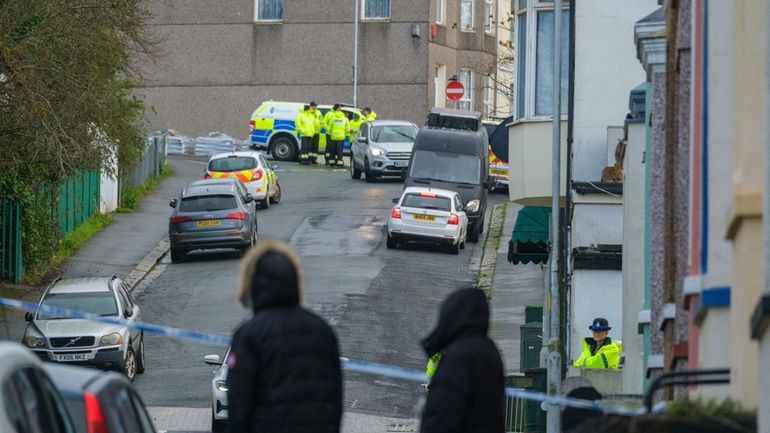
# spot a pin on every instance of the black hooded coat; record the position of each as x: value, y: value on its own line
x: 467, y: 392
x: 284, y: 371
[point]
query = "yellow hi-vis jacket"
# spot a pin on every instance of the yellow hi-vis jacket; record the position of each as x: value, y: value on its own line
x: 372, y: 116
x: 605, y: 356
x: 326, y: 122
x: 340, y: 126
x: 305, y: 124
x: 316, y: 120
x: 355, y: 125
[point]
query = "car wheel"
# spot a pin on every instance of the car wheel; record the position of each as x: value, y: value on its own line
x: 217, y: 425
x: 265, y: 204
x: 481, y: 225
x: 391, y: 243
x: 283, y: 149
x: 368, y: 174
x: 473, y: 234
x: 140, y: 358
x: 177, y: 256
x: 455, y: 248
x: 355, y: 173
x: 129, y: 364
x: 276, y: 198
x: 462, y: 245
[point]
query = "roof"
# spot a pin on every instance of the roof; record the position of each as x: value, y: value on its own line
x: 451, y: 112
x: 81, y: 285
x: 74, y: 380
x: 530, y: 236
x: 251, y: 153
x: 219, y: 181
x: 419, y: 189
x: 208, y: 188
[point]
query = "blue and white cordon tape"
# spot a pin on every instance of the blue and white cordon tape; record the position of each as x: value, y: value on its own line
x: 347, y: 364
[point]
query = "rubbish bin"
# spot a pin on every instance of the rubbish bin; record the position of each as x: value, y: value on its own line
x: 534, y: 416
x: 533, y: 313
x: 530, y: 344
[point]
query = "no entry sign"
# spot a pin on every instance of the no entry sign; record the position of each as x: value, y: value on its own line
x: 455, y: 90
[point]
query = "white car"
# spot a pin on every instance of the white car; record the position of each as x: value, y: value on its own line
x: 218, y: 391
x: 252, y: 169
x: 430, y: 215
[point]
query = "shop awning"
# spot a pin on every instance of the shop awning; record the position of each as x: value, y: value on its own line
x: 529, y: 239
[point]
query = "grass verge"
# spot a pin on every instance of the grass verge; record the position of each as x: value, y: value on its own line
x: 486, y: 274
x: 132, y: 195
x: 68, y: 245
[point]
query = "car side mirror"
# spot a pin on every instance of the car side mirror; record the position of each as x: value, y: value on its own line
x: 172, y: 203
x: 28, y: 316
x: 395, y: 200
x: 363, y: 140
x: 128, y: 312
x: 274, y: 166
x: 212, y: 360
x: 249, y: 198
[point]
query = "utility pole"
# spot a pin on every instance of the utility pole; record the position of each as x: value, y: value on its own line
x: 355, y: 55
x: 553, y: 418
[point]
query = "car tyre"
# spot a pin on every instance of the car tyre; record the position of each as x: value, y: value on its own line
x: 276, y: 198
x: 391, y: 243
x: 355, y: 173
x: 462, y: 245
x: 217, y: 425
x: 177, y: 256
x: 473, y: 234
x: 367, y: 173
x: 265, y: 204
x: 455, y: 248
x: 129, y: 364
x: 283, y: 149
x: 140, y: 357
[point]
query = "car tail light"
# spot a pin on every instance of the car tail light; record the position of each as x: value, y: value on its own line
x: 207, y: 175
x: 95, y: 421
x: 453, y: 219
x: 258, y: 173
x: 236, y: 216
x: 396, y: 212
x: 180, y: 219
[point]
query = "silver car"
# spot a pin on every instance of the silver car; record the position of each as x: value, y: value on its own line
x: 79, y: 341
x: 382, y: 148
x: 218, y: 391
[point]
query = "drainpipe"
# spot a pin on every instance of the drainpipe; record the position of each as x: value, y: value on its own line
x: 355, y: 54
x: 567, y: 245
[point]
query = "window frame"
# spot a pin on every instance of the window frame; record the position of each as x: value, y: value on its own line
x: 472, y: 27
x: 269, y: 20
x: 490, y: 26
x: 440, y: 16
x: 468, y: 95
x: 365, y: 18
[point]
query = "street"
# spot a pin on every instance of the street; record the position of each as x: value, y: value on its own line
x: 380, y: 302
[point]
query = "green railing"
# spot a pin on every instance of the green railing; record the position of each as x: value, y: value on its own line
x: 78, y: 200
x: 11, y: 264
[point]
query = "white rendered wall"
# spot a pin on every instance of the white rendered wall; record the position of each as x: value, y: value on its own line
x: 599, y: 221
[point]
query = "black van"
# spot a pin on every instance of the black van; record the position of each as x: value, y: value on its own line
x: 452, y: 152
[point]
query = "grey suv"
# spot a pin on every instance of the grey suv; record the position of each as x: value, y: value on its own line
x: 79, y: 341
x: 382, y: 148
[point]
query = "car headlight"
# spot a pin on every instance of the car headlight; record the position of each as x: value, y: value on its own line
x: 34, y: 341
x: 221, y: 385
x: 376, y: 152
x: 472, y: 206
x: 111, y: 339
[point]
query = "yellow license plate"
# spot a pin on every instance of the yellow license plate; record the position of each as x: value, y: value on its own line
x: 499, y: 171
x: 208, y: 223
x: 425, y: 217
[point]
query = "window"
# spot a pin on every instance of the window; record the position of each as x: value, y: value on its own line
x: 466, y: 77
x: 394, y: 134
x: 466, y: 14
x: 521, y: 65
x: 208, y: 203
x: 544, y: 65
x: 440, y: 85
x: 489, y: 17
x: 425, y: 202
x: 489, y: 89
x: 233, y: 163
x: 268, y: 10
x: 440, y: 11
x: 100, y: 303
x: 376, y: 9
x: 446, y: 166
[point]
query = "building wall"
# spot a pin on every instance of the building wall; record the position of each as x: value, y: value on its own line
x: 594, y: 294
x: 633, y: 254
x: 597, y: 219
x: 605, y: 69
x: 529, y: 158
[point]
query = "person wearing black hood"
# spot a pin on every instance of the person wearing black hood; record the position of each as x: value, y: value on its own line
x: 467, y: 392
x: 284, y: 369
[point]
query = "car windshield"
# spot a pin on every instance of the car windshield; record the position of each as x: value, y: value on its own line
x: 233, y: 163
x: 426, y: 202
x: 394, y: 134
x: 208, y: 203
x: 446, y: 167
x: 101, y: 303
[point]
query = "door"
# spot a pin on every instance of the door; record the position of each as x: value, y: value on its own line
x: 361, y: 148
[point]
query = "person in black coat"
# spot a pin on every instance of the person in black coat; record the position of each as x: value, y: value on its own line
x: 284, y: 369
x: 467, y: 392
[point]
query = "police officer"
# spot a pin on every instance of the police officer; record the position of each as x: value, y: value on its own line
x: 368, y: 114
x: 326, y: 124
x: 600, y: 351
x: 306, y: 128
x: 313, y: 156
x: 355, y: 124
x: 340, y: 128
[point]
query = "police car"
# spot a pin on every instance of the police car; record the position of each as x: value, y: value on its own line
x: 273, y: 128
x: 252, y: 169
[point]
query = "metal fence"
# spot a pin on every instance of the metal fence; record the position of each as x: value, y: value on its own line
x: 78, y: 199
x: 11, y: 265
x: 151, y: 164
x: 514, y: 414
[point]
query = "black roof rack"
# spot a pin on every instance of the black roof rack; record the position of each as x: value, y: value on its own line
x: 454, y: 119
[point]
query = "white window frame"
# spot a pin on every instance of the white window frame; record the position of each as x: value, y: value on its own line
x: 468, y: 95
x: 440, y: 11
x: 365, y: 18
x: 490, y: 25
x: 472, y: 27
x: 489, y: 89
x: 258, y: 20
x: 440, y: 86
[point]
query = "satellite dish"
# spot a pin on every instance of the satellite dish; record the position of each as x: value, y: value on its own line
x: 498, y: 141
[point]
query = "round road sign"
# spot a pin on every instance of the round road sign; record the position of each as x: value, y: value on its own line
x: 455, y: 90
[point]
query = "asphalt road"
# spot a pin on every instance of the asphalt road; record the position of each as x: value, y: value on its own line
x: 380, y: 302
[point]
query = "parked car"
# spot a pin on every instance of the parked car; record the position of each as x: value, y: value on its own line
x: 382, y: 148
x: 252, y: 169
x: 210, y: 214
x: 79, y: 341
x: 99, y: 402
x: 218, y: 391
x: 427, y: 214
x: 498, y: 169
x: 452, y: 152
x: 29, y: 401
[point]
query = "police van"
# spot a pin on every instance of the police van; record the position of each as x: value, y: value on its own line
x: 273, y: 128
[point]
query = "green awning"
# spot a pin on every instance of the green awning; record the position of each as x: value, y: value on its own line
x: 529, y: 239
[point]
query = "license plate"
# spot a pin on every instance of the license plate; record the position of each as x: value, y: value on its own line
x: 208, y: 223
x: 71, y: 357
x: 499, y: 171
x: 425, y: 217
x: 401, y: 163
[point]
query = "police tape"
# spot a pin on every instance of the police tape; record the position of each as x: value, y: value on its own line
x: 348, y: 364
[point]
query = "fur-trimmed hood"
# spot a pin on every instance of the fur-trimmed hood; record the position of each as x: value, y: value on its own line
x: 271, y: 276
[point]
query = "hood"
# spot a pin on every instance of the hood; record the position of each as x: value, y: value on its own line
x: 271, y: 276
x: 394, y: 147
x: 464, y: 312
x: 74, y: 328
